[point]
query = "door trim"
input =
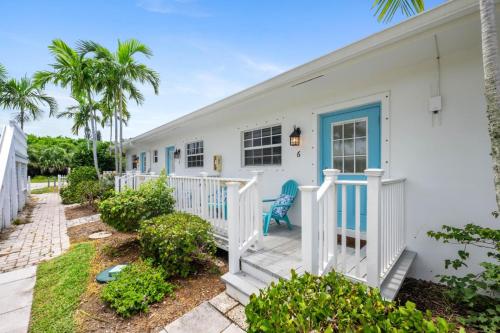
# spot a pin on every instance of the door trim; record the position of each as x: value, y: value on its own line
x: 385, y: 122
x: 167, y: 149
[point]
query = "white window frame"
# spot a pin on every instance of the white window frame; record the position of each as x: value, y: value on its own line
x: 353, y: 121
x: 155, y: 156
x: 243, y: 148
x: 198, y: 154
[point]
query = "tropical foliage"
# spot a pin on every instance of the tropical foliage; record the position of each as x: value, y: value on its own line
x: 26, y: 97
x: 331, y: 303
x: 478, y: 293
x: 53, y: 155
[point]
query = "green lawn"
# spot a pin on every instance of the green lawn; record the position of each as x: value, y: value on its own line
x: 44, y: 190
x: 43, y: 179
x: 60, y: 282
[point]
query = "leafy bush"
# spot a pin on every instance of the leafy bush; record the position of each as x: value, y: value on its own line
x: 126, y: 209
x: 136, y: 287
x: 479, y: 293
x: 177, y: 242
x: 331, y: 303
x: 81, y: 174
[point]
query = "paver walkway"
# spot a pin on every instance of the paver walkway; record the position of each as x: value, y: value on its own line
x: 41, y: 239
x: 16, y: 296
x: 222, y: 314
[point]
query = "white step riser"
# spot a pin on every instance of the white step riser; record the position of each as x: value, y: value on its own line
x: 236, y: 294
x: 258, y: 273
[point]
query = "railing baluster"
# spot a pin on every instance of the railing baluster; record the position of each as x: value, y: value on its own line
x: 344, y: 227
x: 357, y: 229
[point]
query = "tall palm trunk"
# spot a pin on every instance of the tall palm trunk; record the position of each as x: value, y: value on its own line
x: 21, y: 118
x: 491, y: 84
x: 116, y: 140
x: 110, y: 131
x: 120, y: 149
x: 94, y: 134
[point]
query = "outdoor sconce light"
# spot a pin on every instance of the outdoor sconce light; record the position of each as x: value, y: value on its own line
x: 177, y: 153
x: 295, y: 137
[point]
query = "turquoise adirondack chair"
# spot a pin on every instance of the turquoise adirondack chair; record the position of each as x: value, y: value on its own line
x: 281, y: 205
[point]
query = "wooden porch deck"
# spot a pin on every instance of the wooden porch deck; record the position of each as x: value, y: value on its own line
x: 281, y: 252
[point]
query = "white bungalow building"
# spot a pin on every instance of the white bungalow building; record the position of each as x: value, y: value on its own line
x: 406, y: 104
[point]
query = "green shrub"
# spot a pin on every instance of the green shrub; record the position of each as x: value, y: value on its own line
x: 81, y: 174
x: 178, y: 242
x: 478, y: 293
x: 126, y: 209
x: 69, y: 195
x: 331, y: 303
x: 136, y: 287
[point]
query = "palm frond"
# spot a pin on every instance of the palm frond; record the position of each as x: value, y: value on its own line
x: 386, y: 9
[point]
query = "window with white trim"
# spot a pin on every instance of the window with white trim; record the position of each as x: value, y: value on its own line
x: 155, y: 156
x: 194, y: 154
x: 350, y: 146
x: 262, y: 146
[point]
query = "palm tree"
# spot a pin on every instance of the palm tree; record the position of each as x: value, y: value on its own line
x: 72, y: 69
x: 27, y: 97
x: 385, y: 9
x: 81, y: 117
x: 122, y: 71
x: 53, y: 159
x: 3, y: 74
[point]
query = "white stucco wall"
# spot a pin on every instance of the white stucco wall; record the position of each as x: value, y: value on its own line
x: 445, y: 158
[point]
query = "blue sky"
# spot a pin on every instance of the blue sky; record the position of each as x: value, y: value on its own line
x: 203, y: 50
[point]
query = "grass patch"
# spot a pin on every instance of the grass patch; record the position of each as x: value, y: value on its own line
x: 42, y: 179
x: 44, y: 190
x: 59, y: 285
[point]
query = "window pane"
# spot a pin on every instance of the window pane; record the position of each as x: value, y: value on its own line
x: 360, y: 164
x: 257, y: 152
x: 257, y: 160
x: 266, y: 131
x: 337, y: 132
x: 349, y: 164
x: 257, y: 134
x: 257, y: 142
x: 361, y: 146
x: 276, y: 130
x: 348, y: 147
x: 276, y: 150
x: 267, y: 159
x: 266, y: 140
x: 337, y: 163
x: 268, y: 151
x: 348, y: 130
x: 338, y: 148
x: 276, y: 139
x: 248, y: 153
x: 247, y: 143
x: 247, y: 135
x: 361, y: 128
x: 249, y: 161
x: 277, y: 159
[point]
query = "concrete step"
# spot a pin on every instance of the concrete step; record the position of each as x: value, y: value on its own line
x: 259, y: 272
x: 241, y: 285
x: 394, y: 279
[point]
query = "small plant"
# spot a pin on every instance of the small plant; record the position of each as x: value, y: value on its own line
x: 331, y: 303
x: 479, y: 293
x: 81, y: 174
x: 177, y: 242
x: 136, y: 287
x: 126, y: 209
x: 74, y: 191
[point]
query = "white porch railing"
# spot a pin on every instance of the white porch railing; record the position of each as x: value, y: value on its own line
x: 385, y: 227
x: 209, y: 198
x: 244, y: 218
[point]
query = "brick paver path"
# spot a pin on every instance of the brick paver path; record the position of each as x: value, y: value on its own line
x: 42, y: 239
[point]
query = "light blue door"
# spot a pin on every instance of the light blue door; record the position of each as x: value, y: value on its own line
x: 350, y: 141
x: 143, y: 162
x: 169, y: 159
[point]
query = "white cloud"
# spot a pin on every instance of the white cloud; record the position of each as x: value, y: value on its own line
x: 178, y: 7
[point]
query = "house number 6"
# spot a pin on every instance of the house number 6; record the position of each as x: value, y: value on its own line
x: 298, y: 153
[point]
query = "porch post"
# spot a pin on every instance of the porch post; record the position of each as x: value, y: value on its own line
x: 233, y: 225
x: 374, y: 178
x: 117, y: 184
x: 309, y: 208
x: 203, y: 194
x: 257, y: 175
x: 332, y: 176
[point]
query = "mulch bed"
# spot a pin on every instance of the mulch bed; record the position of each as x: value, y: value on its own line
x: 94, y: 316
x: 430, y: 295
x: 78, y: 211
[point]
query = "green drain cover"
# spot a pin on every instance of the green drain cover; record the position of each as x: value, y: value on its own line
x: 109, y: 274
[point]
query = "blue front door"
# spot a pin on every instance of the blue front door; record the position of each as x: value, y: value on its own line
x: 143, y: 162
x: 350, y: 142
x: 169, y: 159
